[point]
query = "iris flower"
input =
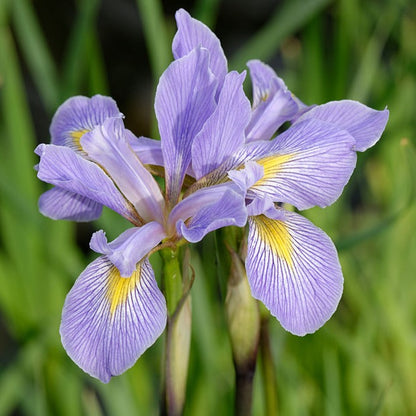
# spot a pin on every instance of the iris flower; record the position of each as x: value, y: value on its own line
x: 212, y: 135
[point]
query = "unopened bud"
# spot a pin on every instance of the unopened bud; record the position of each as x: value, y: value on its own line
x: 242, y: 315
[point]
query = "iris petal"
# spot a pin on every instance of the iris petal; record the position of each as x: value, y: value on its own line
x: 209, y: 209
x: 307, y: 165
x: 293, y: 268
x: 62, y: 167
x: 193, y: 34
x: 59, y: 204
x: 108, y: 146
x: 223, y: 133
x: 108, y: 321
x: 184, y: 101
x: 78, y: 115
x: 363, y: 123
x: 130, y: 246
x: 149, y: 151
x: 273, y: 103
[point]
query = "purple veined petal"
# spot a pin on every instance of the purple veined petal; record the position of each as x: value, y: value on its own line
x: 193, y: 34
x: 59, y: 204
x: 184, y: 101
x: 108, y: 321
x: 78, y: 115
x: 223, y: 132
x: 149, y: 151
x: 293, y: 268
x: 107, y: 145
x: 129, y: 247
x: 302, y: 109
x: 64, y: 168
x: 273, y: 103
x: 209, y: 209
x: 307, y: 165
x: 245, y: 178
x: 193, y: 203
x: 363, y: 123
x: 259, y: 206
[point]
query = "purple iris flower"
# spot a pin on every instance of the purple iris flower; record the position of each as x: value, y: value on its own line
x: 115, y: 310
x: 292, y: 266
x: 212, y: 134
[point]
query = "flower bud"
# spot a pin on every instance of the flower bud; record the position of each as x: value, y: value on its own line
x: 242, y: 316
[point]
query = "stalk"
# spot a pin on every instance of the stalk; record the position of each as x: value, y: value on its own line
x: 178, y: 335
x: 267, y: 367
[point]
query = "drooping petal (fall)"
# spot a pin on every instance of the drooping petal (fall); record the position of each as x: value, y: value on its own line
x: 193, y: 34
x: 64, y: 168
x: 184, y: 101
x: 59, y: 204
x: 130, y: 246
x: 273, y: 103
x: 363, y: 123
x: 78, y: 115
x: 293, y: 268
x: 108, y: 146
x: 108, y: 321
x: 223, y: 133
x: 307, y: 165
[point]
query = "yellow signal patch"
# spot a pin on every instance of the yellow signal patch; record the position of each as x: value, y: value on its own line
x: 76, y: 138
x: 119, y: 288
x: 275, y: 234
x: 271, y: 165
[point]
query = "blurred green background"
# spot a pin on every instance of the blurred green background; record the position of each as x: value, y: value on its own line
x: 363, y: 361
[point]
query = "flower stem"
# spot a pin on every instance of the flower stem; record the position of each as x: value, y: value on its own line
x: 267, y: 366
x: 178, y: 334
x: 172, y: 279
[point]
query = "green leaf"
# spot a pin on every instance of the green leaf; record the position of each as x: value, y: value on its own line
x: 36, y: 52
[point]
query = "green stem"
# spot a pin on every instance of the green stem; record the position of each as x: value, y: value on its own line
x: 178, y: 335
x: 172, y: 279
x: 267, y: 366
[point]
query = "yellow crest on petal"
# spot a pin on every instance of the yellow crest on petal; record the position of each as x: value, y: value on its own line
x: 119, y: 288
x: 275, y: 234
x: 271, y: 165
x: 76, y: 138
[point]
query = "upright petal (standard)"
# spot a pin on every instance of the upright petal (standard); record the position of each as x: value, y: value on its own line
x: 273, y: 103
x: 193, y: 34
x: 184, y: 101
x: 223, y: 132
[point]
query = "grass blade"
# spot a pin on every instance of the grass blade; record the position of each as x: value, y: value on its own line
x: 36, y: 53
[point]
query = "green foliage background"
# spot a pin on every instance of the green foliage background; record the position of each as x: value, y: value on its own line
x: 363, y: 361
